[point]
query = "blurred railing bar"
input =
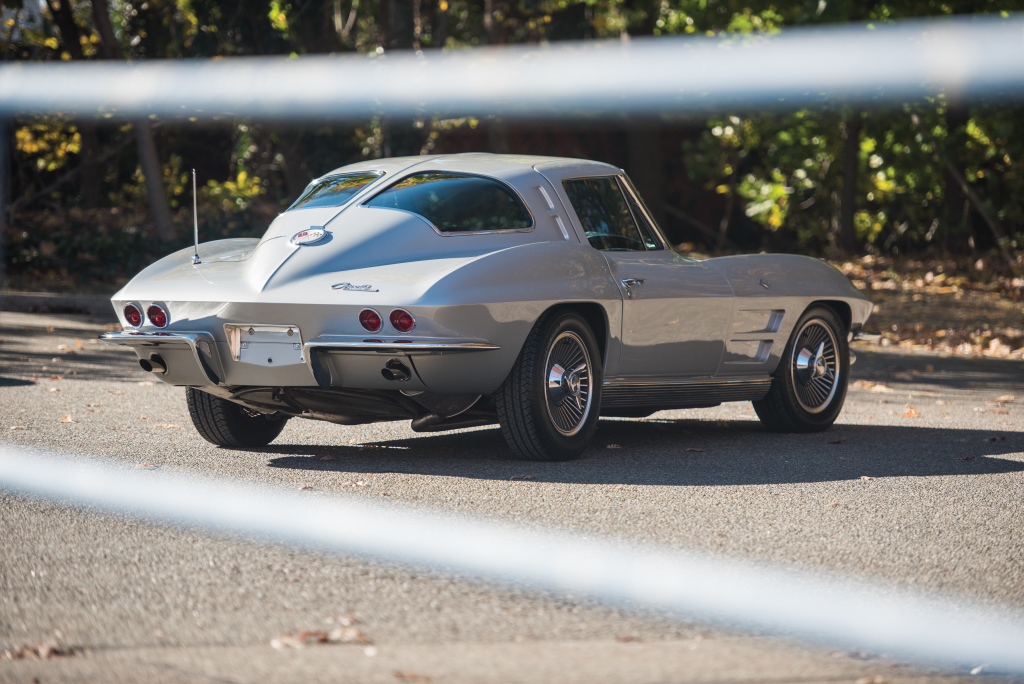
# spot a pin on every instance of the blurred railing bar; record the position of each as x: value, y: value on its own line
x: 975, y: 58
x: 813, y: 607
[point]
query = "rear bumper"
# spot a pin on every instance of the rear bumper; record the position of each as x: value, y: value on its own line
x: 349, y: 361
x: 193, y: 355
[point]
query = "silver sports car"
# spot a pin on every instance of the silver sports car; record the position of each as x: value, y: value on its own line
x: 472, y: 289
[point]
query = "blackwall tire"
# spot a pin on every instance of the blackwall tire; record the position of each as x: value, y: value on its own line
x: 809, y: 387
x: 231, y: 425
x: 550, y: 402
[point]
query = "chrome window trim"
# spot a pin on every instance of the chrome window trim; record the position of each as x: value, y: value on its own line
x: 456, y: 233
x: 355, y: 198
x: 627, y: 185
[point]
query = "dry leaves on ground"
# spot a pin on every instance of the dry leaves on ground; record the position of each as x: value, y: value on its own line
x: 55, y: 389
x: 353, y: 483
x: 911, y: 412
x: 339, y: 635
x: 39, y: 652
x: 306, y: 488
x: 56, y: 377
x: 67, y: 419
x: 411, y: 676
x: 871, y: 386
x: 19, y: 427
x: 831, y: 504
x: 146, y: 466
x: 868, y: 477
x: 166, y: 425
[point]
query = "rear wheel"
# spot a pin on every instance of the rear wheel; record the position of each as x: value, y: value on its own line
x: 809, y: 386
x: 548, y: 406
x: 228, y: 424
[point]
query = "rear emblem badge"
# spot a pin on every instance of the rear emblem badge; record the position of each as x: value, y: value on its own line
x: 764, y: 283
x: 309, y: 236
x: 354, y: 288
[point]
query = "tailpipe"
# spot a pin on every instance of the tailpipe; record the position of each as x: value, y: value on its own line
x: 154, y: 364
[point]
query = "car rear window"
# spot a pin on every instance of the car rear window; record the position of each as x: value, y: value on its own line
x: 334, y: 191
x: 456, y: 202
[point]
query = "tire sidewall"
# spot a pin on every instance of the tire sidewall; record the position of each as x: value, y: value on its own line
x: 562, y: 446
x: 804, y: 420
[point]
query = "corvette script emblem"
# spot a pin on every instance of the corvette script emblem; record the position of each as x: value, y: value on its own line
x: 354, y: 288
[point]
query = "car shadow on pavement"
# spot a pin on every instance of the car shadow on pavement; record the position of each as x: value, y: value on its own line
x: 899, y: 370
x: 684, y: 452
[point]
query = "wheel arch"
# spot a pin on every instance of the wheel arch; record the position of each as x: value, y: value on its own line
x: 594, y: 315
x: 839, y: 307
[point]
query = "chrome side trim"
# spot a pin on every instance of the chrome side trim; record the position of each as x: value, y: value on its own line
x: 194, y: 340
x: 667, y: 394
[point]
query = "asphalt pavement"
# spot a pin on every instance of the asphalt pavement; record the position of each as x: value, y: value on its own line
x: 918, y: 486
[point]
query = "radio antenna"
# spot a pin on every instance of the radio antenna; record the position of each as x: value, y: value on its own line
x: 195, y: 217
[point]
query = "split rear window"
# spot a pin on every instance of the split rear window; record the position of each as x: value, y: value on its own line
x: 334, y: 191
x: 457, y: 202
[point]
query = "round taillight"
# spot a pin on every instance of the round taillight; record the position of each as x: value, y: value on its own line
x: 402, y: 320
x: 133, y: 315
x: 157, y: 316
x: 370, y: 319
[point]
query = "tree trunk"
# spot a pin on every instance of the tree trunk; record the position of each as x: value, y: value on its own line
x: 723, y: 227
x: 645, y: 166
x: 155, y: 190
x: 89, y: 184
x: 851, y: 171
x: 295, y: 178
x: 65, y: 20
x: 156, y: 193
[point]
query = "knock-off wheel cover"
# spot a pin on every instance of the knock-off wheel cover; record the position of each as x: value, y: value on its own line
x: 568, y: 383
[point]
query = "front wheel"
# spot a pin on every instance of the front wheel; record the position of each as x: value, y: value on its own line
x: 809, y: 387
x: 549, y: 404
x: 228, y: 424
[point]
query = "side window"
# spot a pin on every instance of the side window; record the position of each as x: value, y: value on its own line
x: 335, y: 191
x: 605, y: 216
x: 457, y: 203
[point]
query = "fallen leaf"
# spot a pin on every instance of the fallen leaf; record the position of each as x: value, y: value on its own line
x: 867, y: 477
x: 56, y: 377
x: 143, y: 417
x: 841, y: 440
x: 146, y: 466
x: 695, y: 449
x: 411, y: 677
x: 925, y: 394
x: 324, y: 458
x: 903, y: 376
x: 367, y: 447
x: 147, y: 382
x: 347, y: 635
x: 911, y: 412
x: 523, y: 477
x: 613, y: 446
x: 929, y: 368
x: 353, y: 483
x: 1006, y: 413
x: 55, y: 389
x: 340, y: 635
x: 39, y: 652
x: 19, y: 427
x: 832, y: 503
x: 1005, y: 399
x: 112, y: 392
x: 78, y: 343
x: 307, y: 488
x: 67, y: 419
x: 944, y: 403
x: 861, y: 384
x: 166, y: 425
x: 881, y: 387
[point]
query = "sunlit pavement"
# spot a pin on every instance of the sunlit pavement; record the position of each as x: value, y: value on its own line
x: 920, y: 485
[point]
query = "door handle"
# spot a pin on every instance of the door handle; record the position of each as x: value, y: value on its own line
x: 629, y: 283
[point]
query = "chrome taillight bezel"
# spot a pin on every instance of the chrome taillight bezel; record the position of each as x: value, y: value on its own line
x: 137, y: 307
x: 149, y: 317
x: 375, y: 313
x: 391, y: 320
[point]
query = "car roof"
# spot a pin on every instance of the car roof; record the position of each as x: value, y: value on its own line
x: 483, y: 163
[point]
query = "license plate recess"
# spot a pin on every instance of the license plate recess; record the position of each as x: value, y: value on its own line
x: 265, y: 345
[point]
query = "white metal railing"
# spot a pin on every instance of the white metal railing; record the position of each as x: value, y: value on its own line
x: 810, y: 606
